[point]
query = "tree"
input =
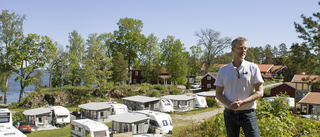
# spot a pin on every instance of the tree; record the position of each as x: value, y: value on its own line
x: 97, y: 64
x: 10, y: 30
x: 128, y: 39
x: 119, y: 69
x: 309, y: 32
x: 175, y: 59
x: 268, y: 54
x: 214, y: 45
x: 29, y: 54
x: 195, y: 63
x: 107, y: 39
x: 150, y: 58
x: 282, y: 50
x: 77, y: 45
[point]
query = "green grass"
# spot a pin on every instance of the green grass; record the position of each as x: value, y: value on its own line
x: 62, y: 132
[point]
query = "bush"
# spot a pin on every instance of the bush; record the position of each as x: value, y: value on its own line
x: 154, y: 93
x: 174, y: 92
x: 159, y: 87
x: 211, y: 102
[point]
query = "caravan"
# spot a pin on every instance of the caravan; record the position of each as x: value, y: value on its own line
x: 166, y: 105
x: 200, y: 102
x: 61, y: 115
x: 6, y: 127
x: 159, y: 122
x: 87, y: 127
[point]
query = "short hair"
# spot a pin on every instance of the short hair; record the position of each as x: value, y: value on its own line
x: 235, y: 41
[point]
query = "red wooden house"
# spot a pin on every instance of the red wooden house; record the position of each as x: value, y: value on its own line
x: 208, y: 80
x: 265, y: 70
x: 137, y: 77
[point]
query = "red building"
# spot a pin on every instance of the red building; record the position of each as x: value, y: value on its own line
x: 208, y: 80
x: 137, y: 77
x: 290, y: 89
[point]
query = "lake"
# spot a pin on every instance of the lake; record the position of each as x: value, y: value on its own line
x: 14, y: 89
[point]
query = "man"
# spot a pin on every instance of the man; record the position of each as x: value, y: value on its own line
x: 238, y: 85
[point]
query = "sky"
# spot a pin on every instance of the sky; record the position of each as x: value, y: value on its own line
x: 262, y: 22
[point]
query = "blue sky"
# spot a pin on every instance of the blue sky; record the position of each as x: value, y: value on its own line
x: 261, y: 22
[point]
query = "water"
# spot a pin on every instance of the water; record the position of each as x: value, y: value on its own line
x: 15, y: 88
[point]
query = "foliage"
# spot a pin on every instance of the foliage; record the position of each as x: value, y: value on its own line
x: 159, y: 87
x: 214, y: 45
x: 188, y: 85
x: 194, y: 62
x: 11, y: 25
x: 274, y: 119
x: 211, y: 102
x: 119, y: 68
x: 128, y: 39
x: 29, y: 54
x: 154, y: 93
x: 18, y: 116
x: 175, y: 59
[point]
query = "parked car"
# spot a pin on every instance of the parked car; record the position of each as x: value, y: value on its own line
x: 24, y: 127
x: 195, y: 85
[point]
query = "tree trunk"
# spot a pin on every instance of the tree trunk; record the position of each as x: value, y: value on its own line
x: 5, y: 90
x: 21, y: 93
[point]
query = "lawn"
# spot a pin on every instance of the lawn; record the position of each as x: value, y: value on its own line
x: 62, y: 132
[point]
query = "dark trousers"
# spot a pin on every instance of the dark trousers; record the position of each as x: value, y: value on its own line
x: 248, y: 122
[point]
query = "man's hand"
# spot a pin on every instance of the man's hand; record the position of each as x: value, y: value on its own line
x: 235, y: 105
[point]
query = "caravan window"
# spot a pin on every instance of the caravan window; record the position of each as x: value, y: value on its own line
x: 154, y: 123
x: 4, y: 117
x: 87, y: 133
x: 79, y: 129
x: 165, y: 123
x: 72, y: 127
x: 100, y: 134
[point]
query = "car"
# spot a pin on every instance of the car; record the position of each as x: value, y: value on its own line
x: 24, y: 127
x: 195, y: 85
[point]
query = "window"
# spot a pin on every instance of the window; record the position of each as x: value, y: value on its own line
x: 154, y: 123
x: 87, y: 133
x: 136, y: 73
x: 79, y: 129
x: 134, y: 81
x: 208, y: 78
x: 101, y: 114
x: 208, y: 85
x: 164, y: 122
x: 72, y: 127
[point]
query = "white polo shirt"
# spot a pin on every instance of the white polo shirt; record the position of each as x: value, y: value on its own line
x: 239, y: 82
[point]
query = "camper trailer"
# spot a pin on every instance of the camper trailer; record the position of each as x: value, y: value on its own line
x: 166, y: 105
x: 61, y: 115
x: 87, y: 127
x: 159, y: 122
x: 117, y: 108
x: 200, y: 102
x: 289, y: 100
x: 6, y: 127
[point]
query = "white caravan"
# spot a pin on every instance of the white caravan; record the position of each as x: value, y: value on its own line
x: 289, y: 100
x: 118, y: 108
x: 199, y: 101
x: 166, y: 105
x: 61, y: 115
x: 88, y: 127
x: 159, y: 122
x: 6, y: 127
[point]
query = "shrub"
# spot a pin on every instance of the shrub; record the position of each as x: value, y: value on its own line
x: 211, y: 102
x: 174, y: 92
x: 154, y: 93
x: 159, y: 87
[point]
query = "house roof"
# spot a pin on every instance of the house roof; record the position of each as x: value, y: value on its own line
x: 178, y: 97
x: 165, y: 76
x: 163, y: 70
x: 128, y: 117
x: 311, y: 98
x: 265, y: 67
x: 96, y: 106
x: 300, y: 86
x: 299, y: 78
x: 207, y: 94
x: 37, y: 111
x: 212, y: 74
x: 141, y: 99
x: 277, y: 68
x: 204, y: 66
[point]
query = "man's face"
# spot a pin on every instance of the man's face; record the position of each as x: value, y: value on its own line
x: 240, y: 50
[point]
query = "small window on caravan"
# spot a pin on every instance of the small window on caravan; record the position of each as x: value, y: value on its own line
x: 72, y: 127
x: 154, y: 123
x: 79, y: 129
x: 165, y: 122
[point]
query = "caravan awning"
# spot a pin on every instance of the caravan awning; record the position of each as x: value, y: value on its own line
x: 128, y: 117
x: 141, y: 99
x: 95, y: 106
x: 37, y: 111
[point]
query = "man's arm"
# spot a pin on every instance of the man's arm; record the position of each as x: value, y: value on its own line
x: 258, y: 94
x: 221, y: 97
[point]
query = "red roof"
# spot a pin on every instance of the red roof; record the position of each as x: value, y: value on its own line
x: 278, y: 67
x: 311, y: 98
x: 265, y: 67
x: 300, y: 78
